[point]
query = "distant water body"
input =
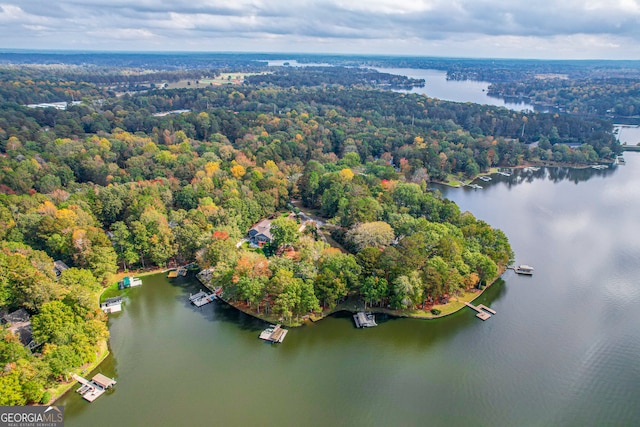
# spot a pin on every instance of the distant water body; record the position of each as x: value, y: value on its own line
x: 436, y: 85
x: 562, y: 349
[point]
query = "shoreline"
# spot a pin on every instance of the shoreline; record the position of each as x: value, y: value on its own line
x: 459, y: 182
x: 421, y: 314
x: 103, y: 347
x: 62, y: 388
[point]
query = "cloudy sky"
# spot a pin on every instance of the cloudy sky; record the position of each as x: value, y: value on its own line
x: 466, y: 28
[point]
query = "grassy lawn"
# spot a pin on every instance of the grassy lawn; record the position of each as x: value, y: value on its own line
x: 222, y: 79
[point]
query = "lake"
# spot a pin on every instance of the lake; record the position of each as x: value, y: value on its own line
x: 562, y: 350
x: 436, y: 85
x: 628, y: 134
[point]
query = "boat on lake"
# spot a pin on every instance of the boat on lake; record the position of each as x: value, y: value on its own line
x: 484, y: 178
x: 524, y: 269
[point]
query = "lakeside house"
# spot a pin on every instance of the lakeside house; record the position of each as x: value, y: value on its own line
x: 19, y: 324
x: 260, y: 234
x: 59, y: 267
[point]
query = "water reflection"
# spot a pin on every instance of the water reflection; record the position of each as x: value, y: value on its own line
x: 554, y: 174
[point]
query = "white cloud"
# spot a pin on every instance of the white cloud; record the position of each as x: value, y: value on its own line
x: 505, y: 28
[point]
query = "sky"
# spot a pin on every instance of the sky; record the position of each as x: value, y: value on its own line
x: 546, y: 29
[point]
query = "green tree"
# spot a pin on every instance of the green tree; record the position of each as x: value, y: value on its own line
x: 284, y: 231
x: 11, y: 389
x: 370, y: 234
x: 124, y: 244
x: 56, y: 323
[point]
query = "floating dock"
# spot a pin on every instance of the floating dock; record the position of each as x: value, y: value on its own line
x: 484, y: 312
x: 364, y: 320
x: 172, y: 274
x: 201, y: 298
x: 91, y: 390
x: 274, y: 333
x: 474, y: 186
x: 504, y: 173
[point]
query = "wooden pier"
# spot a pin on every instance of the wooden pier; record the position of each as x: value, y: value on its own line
x: 364, y: 320
x: 91, y: 390
x: 274, y: 334
x: 484, y: 312
x: 201, y: 298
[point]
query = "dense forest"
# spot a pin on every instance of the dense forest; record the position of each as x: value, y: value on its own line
x: 110, y: 185
x: 593, y: 97
x: 343, y: 76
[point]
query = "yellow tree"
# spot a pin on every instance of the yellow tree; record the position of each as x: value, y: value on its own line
x: 238, y: 171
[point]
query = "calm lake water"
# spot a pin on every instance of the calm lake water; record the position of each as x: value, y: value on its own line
x: 629, y: 134
x: 437, y: 86
x: 562, y: 350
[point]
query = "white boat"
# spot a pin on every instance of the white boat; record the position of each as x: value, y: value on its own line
x: 484, y: 178
x: 524, y: 269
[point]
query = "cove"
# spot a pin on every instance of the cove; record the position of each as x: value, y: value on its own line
x: 562, y: 349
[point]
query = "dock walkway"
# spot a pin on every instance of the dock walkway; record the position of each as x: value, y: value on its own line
x: 364, y: 320
x: 201, y: 298
x: 91, y: 390
x: 483, y: 310
x: 274, y: 333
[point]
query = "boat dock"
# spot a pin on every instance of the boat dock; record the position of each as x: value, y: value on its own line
x: 474, y: 186
x: 180, y: 271
x: 484, y: 178
x: 484, y: 312
x: 274, y: 334
x: 503, y: 173
x: 91, y: 390
x: 527, y: 270
x: 201, y: 298
x: 129, y: 282
x: 112, y: 305
x: 364, y: 320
